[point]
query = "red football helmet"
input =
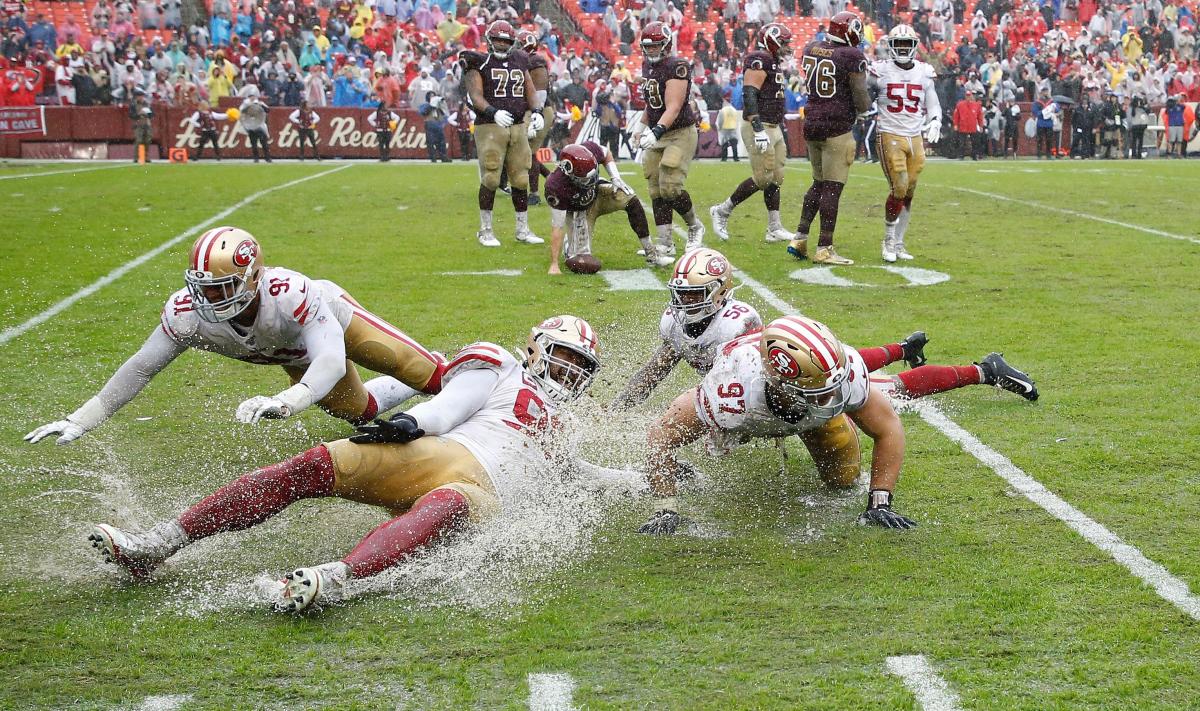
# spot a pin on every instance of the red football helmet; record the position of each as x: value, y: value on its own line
x: 775, y: 38
x: 527, y: 41
x: 501, y: 37
x: 656, y: 42
x: 845, y: 28
x: 579, y: 165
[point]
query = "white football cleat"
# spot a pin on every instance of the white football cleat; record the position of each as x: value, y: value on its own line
x: 889, y: 251
x: 664, y: 250
x: 778, y: 234
x: 527, y: 236
x: 305, y: 586
x: 695, y: 236
x: 902, y: 253
x: 137, y: 553
x: 487, y: 238
x: 720, y: 221
x: 658, y: 260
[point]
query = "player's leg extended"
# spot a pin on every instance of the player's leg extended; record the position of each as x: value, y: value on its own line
x: 490, y: 143
x: 911, y: 350
x: 680, y: 147
x: 517, y: 164
x: 659, y: 204
x: 916, y: 163
x: 835, y: 451
x: 771, y: 193
x: 377, y: 345
x: 892, y: 151
x: 991, y: 370
x: 720, y: 212
x: 836, y: 159
x: 798, y: 247
x: 636, y: 216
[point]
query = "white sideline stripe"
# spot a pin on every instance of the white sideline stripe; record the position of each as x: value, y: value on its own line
x: 1168, y: 587
x: 13, y: 331
x: 164, y: 703
x: 551, y: 692
x: 931, y: 690
x: 70, y: 170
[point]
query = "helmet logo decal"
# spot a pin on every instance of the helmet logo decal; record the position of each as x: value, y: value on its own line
x: 554, y: 322
x: 716, y: 266
x: 783, y: 362
x: 245, y: 253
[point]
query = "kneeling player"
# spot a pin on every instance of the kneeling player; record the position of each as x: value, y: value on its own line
x: 442, y: 463
x: 577, y: 197
x: 792, y: 378
x: 236, y: 306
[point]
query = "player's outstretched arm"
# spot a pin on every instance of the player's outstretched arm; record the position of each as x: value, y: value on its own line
x: 452, y: 406
x: 154, y: 355
x: 325, y: 342
x: 879, y: 421
x: 648, y: 377
x: 677, y: 427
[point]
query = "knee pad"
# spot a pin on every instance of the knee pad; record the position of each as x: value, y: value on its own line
x: 490, y: 179
x: 900, y: 185
x: 520, y: 180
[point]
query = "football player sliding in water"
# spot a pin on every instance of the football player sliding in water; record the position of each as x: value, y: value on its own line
x: 444, y: 462
x: 577, y: 198
x: 236, y: 306
x: 703, y: 315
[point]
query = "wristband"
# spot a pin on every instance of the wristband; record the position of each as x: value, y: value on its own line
x: 489, y: 113
x: 879, y: 499
x: 611, y: 167
x: 757, y: 124
x: 658, y: 130
x: 296, y: 398
x: 89, y: 415
x: 666, y: 504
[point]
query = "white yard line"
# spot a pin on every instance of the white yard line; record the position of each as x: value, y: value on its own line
x: 13, y: 331
x: 931, y: 690
x: 69, y: 170
x: 551, y: 692
x: 1169, y: 587
x: 164, y: 703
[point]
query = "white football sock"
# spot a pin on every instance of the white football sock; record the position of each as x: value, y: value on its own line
x: 774, y: 222
x: 172, y: 535
x: 664, y: 234
x: 726, y: 207
x: 690, y: 218
x: 902, y: 223
x: 522, y: 221
x: 485, y: 219
x: 389, y: 392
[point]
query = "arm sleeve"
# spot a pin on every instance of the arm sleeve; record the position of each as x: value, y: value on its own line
x: 154, y: 355
x: 933, y: 106
x: 316, y: 118
x: 458, y: 400
x: 326, y: 344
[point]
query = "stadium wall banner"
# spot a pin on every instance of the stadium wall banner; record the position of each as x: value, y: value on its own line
x: 21, y: 120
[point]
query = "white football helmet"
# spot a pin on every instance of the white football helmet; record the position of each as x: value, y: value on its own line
x: 548, y: 357
x: 902, y: 42
x: 222, y: 275
x: 700, y: 285
x: 803, y: 358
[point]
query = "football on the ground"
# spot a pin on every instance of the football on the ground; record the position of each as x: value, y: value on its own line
x: 583, y: 264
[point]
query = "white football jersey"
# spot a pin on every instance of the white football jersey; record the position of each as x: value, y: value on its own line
x: 907, y: 97
x: 288, y: 301
x: 732, y: 398
x: 504, y: 434
x: 736, y: 319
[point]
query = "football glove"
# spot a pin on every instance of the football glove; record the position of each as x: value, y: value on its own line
x: 933, y: 132
x: 401, y: 428
x: 503, y: 119
x: 664, y: 521
x: 762, y: 141
x: 879, y: 512
x: 262, y: 407
x: 536, y: 123
x: 621, y: 186
x: 66, y: 431
x: 647, y: 140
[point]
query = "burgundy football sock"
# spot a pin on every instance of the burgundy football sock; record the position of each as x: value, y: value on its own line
x: 812, y: 204
x: 438, y: 512
x: 771, y: 196
x: 683, y: 204
x: 369, y: 412
x: 542, y: 169
x: 876, y: 358
x: 831, y: 193
x: 520, y: 200
x: 742, y: 192
x: 931, y: 379
x: 661, y: 207
x: 637, y: 219
x: 535, y: 177
x: 261, y: 494
x: 908, y: 200
x: 892, y: 208
x: 487, y: 198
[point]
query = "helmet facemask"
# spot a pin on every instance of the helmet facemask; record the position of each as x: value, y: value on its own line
x: 562, y: 376
x: 500, y: 47
x: 234, y: 293
x: 904, y: 49
x: 661, y: 48
x: 694, y: 303
x: 821, y: 403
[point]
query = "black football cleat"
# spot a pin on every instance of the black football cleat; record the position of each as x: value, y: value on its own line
x: 999, y: 373
x: 914, y: 349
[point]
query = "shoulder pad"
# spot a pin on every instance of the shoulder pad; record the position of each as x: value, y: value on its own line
x: 537, y: 61
x: 179, y: 318
x: 681, y: 69
x: 293, y: 294
x: 757, y: 60
x: 476, y: 356
x: 469, y: 60
x: 666, y: 324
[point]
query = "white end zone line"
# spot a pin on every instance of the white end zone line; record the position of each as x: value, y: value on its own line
x: 551, y: 692
x: 931, y: 690
x: 71, y: 170
x: 13, y: 331
x: 1168, y: 587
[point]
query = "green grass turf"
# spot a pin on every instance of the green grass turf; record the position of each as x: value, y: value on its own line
x: 782, y: 603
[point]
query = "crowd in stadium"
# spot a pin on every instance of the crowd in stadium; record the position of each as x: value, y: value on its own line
x: 1122, y: 62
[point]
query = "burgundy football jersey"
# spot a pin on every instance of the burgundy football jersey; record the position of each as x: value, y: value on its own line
x: 503, y: 81
x: 563, y: 194
x: 654, y: 89
x: 770, y: 96
x: 827, y: 69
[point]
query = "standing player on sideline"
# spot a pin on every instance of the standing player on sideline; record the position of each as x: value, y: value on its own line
x: 836, y: 80
x: 453, y: 459
x: 668, y: 136
x: 762, y: 120
x: 236, y: 306
x: 501, y: 92
x: 908, y: 106
x: 577, y: 198
x: 539, y: 73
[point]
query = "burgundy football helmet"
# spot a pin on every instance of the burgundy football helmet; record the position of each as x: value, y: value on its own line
x: 578, y: 163
x: 527, y: 41
x: 775, y: 39
x: 501, y: 37
x: 845, y: 28
x: 656, y: 42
